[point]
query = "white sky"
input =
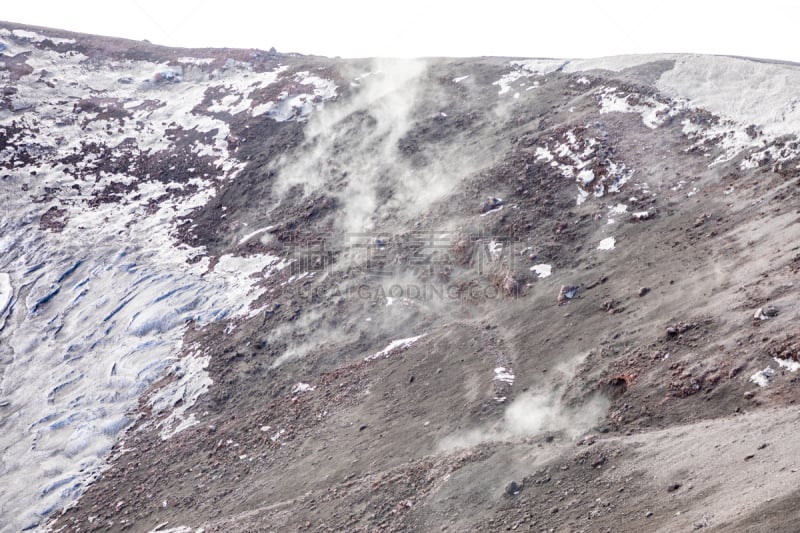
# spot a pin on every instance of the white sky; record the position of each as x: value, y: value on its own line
x: 413, y: 28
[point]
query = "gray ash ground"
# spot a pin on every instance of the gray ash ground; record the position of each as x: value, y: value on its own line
x: 629, y: 406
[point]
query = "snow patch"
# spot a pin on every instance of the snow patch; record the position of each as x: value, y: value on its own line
x: 504, y: 375
x: 34, y: 37
x: 297, y: 277
x: 578, y: 157
x: 176, y: 529
x: 777, y: 156
x: 789, y: 364
x: 495, y: 249
x: 709, y: 133
x: 652, y: 111
x: 607, y: 244
x: 394, y: 346
x: 254, y: 233
x: 299, y: 106
x: 495, y: 210
x: 762, y: 378
x: 542, y: 270
x: 302, y: 387
x: 196, y: 60
x: 253, y: 266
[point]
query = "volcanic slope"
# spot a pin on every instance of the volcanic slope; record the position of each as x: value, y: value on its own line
x: 253, y: 291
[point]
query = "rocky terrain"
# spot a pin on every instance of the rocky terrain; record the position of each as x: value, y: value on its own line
x: 243, y: 290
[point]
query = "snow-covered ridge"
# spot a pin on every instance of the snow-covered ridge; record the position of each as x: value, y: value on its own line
x: 520, y: 70
x: 756, y: 104
x: 748, y: 105
x: 744, y: 91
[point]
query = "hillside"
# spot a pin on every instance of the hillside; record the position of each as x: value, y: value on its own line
x: 243, y: 290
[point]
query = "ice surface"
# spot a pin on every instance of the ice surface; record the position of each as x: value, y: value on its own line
x: 191, y: 380
x: 6, y: 292
x: 104, y: 303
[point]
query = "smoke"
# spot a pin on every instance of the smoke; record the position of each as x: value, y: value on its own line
x: 385, y: 152
x: 388, y: 153
x: 533, y: 414
x: 299, y: 337
x: 323, y: 331
x: 351, y: 147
